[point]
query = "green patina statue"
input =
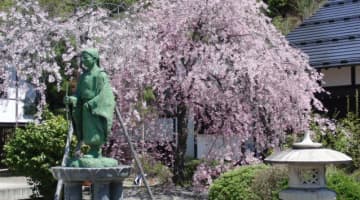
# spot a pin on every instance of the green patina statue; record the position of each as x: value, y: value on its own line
x: 93, y: 108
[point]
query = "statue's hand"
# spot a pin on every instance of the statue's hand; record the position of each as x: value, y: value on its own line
x: 70, y: 100
x: 78, y: 150
x: 87, y: 106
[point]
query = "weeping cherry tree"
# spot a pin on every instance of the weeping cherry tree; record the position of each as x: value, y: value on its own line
x: 221, y: 62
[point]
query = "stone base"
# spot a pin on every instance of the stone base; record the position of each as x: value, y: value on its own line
x: 107, y: 183
x: 308, y: 194
x: 91, y: 162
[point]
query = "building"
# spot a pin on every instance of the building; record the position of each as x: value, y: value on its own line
x: 16, y: 107
x: 331, y: 39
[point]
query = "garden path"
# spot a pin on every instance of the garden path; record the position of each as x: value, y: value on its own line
x: 14, y: 187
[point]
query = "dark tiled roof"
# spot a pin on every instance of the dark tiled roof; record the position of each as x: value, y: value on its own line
x: 331, y: 37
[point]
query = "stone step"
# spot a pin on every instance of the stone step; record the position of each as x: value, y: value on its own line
x: 14, y: 188
x: 4, y: 172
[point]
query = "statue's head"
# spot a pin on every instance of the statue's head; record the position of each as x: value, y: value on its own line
x: 90, y: 58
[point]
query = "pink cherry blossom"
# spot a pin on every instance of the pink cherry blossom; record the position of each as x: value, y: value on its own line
x: 220, y: 61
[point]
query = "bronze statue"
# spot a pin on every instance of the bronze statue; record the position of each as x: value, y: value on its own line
x: 93, y: 108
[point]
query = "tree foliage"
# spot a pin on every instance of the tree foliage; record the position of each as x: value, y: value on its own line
x: 36, y: 148
x: 288, y: 14
x: 63, y: 8
x: 221, y: 61
x: 342, y: 135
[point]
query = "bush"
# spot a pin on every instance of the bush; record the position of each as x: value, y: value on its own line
x: 345, y: 186
x: 345, y: 138
x: 271, y: 181
x: 155, y: 169
x: 356, y: 175
x: 36, y: 148
x: 236, y: 184
x: 6, y: 4
x: 244, y: 183
x: 351, y: 124
x: 189, y: 170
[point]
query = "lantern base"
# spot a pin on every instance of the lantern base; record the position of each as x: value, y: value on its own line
x: 308, y: 194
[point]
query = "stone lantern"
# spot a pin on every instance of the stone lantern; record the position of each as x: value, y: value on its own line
x: 306, y: 162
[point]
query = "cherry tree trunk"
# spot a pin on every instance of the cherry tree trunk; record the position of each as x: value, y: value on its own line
x: 181, y: 144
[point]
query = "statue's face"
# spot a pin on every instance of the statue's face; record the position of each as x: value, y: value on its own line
x: 87, y: 60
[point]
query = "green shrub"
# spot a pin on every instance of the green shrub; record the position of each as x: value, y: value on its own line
x: 36, y: 148
x: 236, y: 184
x: 189, y: 170
x: 271, y: 181
x: 287, y: 24
x: 356, y: 175
x: 6, y: 4
x: 351, y: 125
x: 345, y: 186
x: 345, y: 138
x: 155, y: 169
x: 243, y: 184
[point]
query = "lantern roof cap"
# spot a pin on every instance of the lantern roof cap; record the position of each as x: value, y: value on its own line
x: 307, y: 143
x: 308, y: 152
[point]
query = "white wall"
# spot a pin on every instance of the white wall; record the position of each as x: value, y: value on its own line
x: 337, y: 76
x: 205, y: 142
x: 7, y: 112
x: 190, y: 151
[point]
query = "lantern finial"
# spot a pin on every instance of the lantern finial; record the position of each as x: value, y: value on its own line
x: 307, y: 143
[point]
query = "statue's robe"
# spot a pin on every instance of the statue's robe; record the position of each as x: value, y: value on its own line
x: 94, y: 109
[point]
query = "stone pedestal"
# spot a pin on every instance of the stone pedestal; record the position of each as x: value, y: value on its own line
x: 107, y: 182
x: 116, y: 189
x: 72, y: 190
x: 308, y: 194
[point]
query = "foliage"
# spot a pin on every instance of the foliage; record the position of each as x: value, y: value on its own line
x: 36, y: 148
x: 280, y: 7
x: 345, y: 186
x: 183, y: 50
x: 155, y: 169
x: 271, y: 180
x: 286, y: 24
x: 209, y: 170
x: 235, y: 184
x: 161, y: 151
x: 351, y: 126
x: 202, y: 53
x: 117, y: 147
x: 245, y: 182
x: 58, y: 7
x: 64, y: 8
x: 6, y: 4
x: 342, y: 135
x: 300, y: 8
x: 189, y: 170
x: 305, y: 8
x: 356, y: 175
x: 288, y: 14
